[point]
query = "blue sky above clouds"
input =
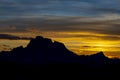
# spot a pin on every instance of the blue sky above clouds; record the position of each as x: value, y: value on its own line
x: 35, y: 8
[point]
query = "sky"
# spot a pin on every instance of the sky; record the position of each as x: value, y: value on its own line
x: 84, y: 26
x: 35, y: 8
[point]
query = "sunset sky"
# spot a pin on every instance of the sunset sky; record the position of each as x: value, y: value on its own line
x: 84, y: 26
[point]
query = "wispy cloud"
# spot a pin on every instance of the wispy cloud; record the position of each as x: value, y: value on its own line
x: 7, y: 28
x: 104, y: 24
x: 12, y: 37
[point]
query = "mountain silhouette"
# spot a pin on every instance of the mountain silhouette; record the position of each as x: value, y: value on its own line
x: 42, y: 50
x: 43, y: 55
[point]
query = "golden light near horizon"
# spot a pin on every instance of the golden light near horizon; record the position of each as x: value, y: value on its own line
x: 78, y: 42
x: 84, y: 46
x: 101, y: 46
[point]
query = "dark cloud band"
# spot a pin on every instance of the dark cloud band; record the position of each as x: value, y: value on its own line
x: 12, y: 37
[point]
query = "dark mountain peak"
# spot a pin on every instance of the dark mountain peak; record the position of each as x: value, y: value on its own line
x: 95, y: 60
x: 99, y: 55
x: 39, y: 37
x: 39, y: 41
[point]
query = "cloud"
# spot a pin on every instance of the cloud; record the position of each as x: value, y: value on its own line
x: 54, y: 27
x: 88, y: 36
x: 11, y: 28
x: 33, y: 30
x: 107, y: 24
x: 20, y: 8
x: 12, y: 37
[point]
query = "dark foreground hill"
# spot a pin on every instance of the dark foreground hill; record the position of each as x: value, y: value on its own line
x: 49, y: 57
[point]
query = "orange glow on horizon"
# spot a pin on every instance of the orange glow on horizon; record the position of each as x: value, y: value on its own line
x: 78, y: 42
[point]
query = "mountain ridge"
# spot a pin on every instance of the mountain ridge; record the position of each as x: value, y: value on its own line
x: 42, y: 50
x: 44, y: 57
